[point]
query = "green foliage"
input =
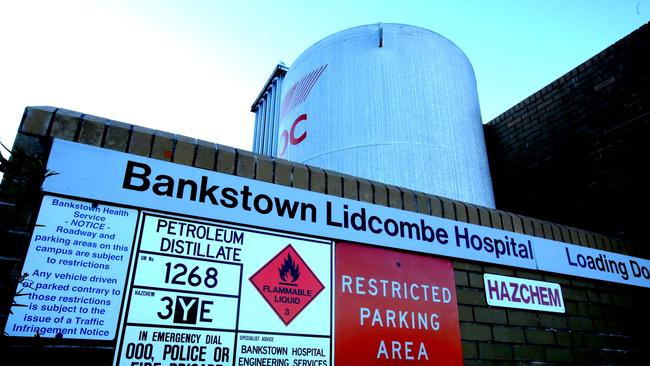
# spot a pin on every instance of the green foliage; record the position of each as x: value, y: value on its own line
x: 23, y: 176
x: 27, y: 172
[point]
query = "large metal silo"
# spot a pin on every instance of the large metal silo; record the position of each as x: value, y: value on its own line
x: 392, y: 103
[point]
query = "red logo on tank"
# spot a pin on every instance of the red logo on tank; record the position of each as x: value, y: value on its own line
x: 287, y: 284
x: 297, y: 94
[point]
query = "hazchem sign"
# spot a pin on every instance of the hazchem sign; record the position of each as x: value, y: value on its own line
x: 512, y: 292
x: 190, y: 301
x: 394, y: 308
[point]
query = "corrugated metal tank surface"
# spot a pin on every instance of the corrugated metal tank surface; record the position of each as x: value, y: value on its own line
x: 392, y: 103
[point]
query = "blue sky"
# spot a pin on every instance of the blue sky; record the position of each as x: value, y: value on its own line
x: 195, y: 67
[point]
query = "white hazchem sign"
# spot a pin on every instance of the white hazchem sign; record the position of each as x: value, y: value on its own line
x: 520, y: 293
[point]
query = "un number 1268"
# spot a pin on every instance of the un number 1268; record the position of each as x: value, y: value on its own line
x: 180, y: 274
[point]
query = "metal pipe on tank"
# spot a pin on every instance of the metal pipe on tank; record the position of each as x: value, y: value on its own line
x: 265, y: 130
x: 273, y: 119
x: 256, y: 131
x: 276, y: 106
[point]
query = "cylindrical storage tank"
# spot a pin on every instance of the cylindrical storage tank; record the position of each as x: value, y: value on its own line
x: 392, y: 103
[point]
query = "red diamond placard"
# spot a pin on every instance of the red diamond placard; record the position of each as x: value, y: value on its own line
x: 287, y: 284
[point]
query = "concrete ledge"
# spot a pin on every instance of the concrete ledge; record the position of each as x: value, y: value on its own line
x: 92, y: 130
x: 226, y: 159
x: 119, y: 136
x: 365, y: 190
x: 409, y: 198
x: 245, y: 164
x: 282, y: 173
x: 394, y: 197
x: 317, y: 179
x: 380, y: 193
x: 436, y: 206
x: 65, y: 124
x: 163, y: 146
x: 141, y: 141
x: 185, y: 150
x: 36, y: 120
x: 300, y: 176
x: 205, y: 155
x: 264, y: 166
x: 350, y: 187
x: 334, y: 183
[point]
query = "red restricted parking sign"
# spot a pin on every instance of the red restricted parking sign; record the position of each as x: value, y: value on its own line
x: 287, y: 284
x: 394, y: 308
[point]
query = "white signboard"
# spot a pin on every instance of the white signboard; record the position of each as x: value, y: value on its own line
x: 74, y: 272
x: 513, y: 292
x: 201, y: 292
x: 161, y: 185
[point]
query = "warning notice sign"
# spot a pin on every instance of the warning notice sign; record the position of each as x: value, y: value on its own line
x: 393, y: 307
x: 74, y: 273
x: 287, y: 284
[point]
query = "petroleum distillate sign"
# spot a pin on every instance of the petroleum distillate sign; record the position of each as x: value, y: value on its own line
x: 190, y: 303
x: 394, y: 308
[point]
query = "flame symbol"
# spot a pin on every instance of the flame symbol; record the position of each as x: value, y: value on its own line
x: 289, y: 272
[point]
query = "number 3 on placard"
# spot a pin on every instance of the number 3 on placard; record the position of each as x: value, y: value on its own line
x: 170, y: 311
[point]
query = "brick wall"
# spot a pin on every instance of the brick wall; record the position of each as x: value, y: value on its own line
x: 604, y: 323
x: 576, y: 151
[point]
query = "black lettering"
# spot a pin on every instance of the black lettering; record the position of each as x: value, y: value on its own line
x: 303, y: 211
x: 229, y: 197
x: 164, y: 188
x: 371, y: 220
x: 268, y: 205
x: 410, y: 228
x: 246, y: 194
x: 568, y: 257
x: 285, y: 206
x: 130, y: 174
x: 207, y: 192
x: 182, y: 183
x: 331, y: 222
